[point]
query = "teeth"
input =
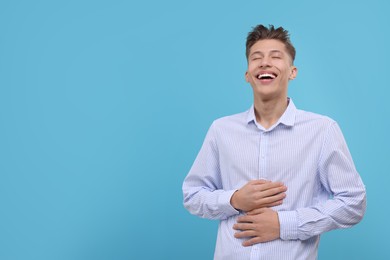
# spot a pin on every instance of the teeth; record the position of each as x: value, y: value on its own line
x: 266, y: 75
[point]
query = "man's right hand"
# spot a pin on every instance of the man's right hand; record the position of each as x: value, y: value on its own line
x: 258, y: 194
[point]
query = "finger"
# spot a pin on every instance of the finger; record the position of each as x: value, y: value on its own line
x: 269, y: 191
x: 252, y: 241
x: 265, y: 184
x: 271, y: 199
x: 274, y: 187
x: 257, y: 182
x: 269, y: 205
x: 243, y: 226
x: 243, y: 234
x: 276, y: 203
x: 245, y: 219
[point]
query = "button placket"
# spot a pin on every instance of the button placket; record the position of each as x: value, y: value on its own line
x: 263, y: 155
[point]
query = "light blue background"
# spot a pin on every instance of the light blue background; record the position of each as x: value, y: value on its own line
x: 105, y: 104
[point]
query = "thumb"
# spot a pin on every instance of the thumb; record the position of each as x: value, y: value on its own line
x: 260, y: 181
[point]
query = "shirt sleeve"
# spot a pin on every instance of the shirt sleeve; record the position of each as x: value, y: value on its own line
x: 202, y: 188
x: 347, y: 202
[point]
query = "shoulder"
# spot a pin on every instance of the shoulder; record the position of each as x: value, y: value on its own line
x: 310, y: 118
x: 230, y: 121
x: 313, y: 124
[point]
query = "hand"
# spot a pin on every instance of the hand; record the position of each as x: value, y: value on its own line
x: 262, y: 225
x: 258, y: 194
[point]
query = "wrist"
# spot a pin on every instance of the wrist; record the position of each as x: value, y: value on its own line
x: 233, y: 201
x: 288, y: 225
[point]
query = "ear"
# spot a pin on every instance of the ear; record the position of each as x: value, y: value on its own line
x: 294, y: 72
x: 246, y: 76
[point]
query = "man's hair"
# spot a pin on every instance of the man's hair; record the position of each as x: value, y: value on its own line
x: 260, y: 32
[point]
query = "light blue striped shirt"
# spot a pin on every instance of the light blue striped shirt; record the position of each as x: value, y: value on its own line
x: 305, y: 151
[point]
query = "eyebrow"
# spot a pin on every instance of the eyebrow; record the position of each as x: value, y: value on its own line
x: 272, y: 52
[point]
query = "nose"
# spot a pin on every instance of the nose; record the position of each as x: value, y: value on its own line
x: 265, y: 62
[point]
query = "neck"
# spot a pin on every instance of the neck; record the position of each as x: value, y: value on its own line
x: 269, y: 111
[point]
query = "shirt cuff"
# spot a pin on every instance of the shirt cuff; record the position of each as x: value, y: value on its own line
x: 288, y: 221
x: 224, y: 202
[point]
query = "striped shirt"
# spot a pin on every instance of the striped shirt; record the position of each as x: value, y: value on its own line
x: 305, y: 151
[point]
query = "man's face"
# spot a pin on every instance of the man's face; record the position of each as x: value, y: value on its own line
x: 269, y: 69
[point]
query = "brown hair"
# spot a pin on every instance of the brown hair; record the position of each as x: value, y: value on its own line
x: 260, y: 32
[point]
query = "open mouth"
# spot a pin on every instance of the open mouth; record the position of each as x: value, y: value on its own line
x: 267, y: 76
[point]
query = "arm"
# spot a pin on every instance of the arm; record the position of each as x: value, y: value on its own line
x: 340, y: 179
x: 202, y: 188
x: 204, y: 194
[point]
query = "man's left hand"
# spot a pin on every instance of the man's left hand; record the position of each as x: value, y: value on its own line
x: 259, y: 225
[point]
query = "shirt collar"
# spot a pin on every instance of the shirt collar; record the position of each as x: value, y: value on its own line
x: 288, y: 117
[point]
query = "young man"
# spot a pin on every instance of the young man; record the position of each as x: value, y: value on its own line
x: 275, y: 176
